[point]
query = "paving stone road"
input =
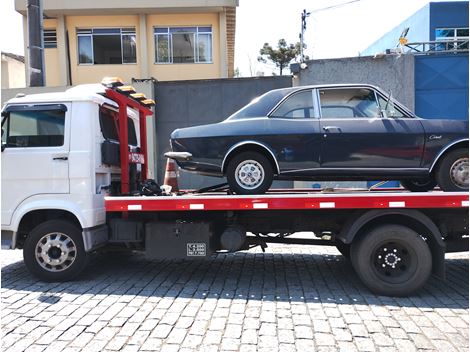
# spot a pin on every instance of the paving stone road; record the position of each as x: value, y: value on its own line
x: 292, y: 298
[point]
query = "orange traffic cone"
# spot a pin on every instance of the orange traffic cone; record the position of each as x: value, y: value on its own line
x: 171, y: 175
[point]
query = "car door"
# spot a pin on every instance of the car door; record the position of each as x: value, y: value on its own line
x: 35, y: 149
x: 356, y: 134
x: 295, y: 132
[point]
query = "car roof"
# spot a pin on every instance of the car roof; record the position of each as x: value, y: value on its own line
x: 336, y: 85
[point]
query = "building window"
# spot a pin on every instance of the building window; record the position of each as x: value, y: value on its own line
x: 50, y: 38
x: 175, y: 45
x: 455, y: 38
x: 100, y: 46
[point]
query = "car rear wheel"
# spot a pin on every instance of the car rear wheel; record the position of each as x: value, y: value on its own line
x: 423, y: 185
x: 249, y: 173
x: 452, y: 174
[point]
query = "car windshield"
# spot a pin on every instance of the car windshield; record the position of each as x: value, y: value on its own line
x: 261, y: 105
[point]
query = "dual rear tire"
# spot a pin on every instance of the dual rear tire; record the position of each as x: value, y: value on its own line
x: 392, y: 260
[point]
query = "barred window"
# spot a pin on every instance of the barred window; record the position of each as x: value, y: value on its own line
x: 50, y: 38
x: 183, y: 45
x: 100, y: 46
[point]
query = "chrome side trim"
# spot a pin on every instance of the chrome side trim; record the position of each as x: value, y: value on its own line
x: 444, y: 150
x: 358, y: 169
x: 179, y: 155
x: 249, y: 142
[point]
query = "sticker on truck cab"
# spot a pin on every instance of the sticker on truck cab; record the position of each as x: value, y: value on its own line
x: 196, y: 249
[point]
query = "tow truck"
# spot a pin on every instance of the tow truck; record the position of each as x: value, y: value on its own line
x: 73, y: 166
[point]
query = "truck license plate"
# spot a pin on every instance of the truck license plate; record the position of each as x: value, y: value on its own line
x: 196, y: 249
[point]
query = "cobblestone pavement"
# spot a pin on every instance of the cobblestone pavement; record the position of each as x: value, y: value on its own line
x: 292, y: 298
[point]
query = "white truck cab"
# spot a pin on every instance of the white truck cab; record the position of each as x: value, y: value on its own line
x: 60, y: 157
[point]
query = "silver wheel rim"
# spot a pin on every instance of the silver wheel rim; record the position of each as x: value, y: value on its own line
x: 459, y: 173
x: 55, y: 252
x: 249, y: 174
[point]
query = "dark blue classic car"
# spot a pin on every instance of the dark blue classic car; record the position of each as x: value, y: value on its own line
x: 334, y: 132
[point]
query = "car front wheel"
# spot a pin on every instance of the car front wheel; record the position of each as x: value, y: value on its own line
x: 452, y: 174
x: 249, y: 173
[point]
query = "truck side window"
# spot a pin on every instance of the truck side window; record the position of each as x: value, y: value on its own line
x: 35, y: 128
x: 110, y: 126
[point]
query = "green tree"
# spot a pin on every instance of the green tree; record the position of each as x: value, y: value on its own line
x: 282, y: 56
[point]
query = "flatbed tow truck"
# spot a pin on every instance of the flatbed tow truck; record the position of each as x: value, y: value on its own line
x: 395, y: 239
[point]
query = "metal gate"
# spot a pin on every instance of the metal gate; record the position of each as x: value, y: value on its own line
x: 441, y: 86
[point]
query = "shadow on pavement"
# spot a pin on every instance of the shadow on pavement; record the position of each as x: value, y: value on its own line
x: 293, y: 277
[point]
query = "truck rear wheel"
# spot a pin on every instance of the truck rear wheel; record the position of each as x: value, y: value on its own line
x: 54, y: 251
x: 392, y: 260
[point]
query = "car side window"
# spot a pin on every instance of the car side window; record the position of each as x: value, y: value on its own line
x: 297, y: 106
x: 348, y: 103
x: 389, y: 109
x: 35, y: 128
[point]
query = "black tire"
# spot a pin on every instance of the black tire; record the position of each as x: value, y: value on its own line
x: 452, y: 172
x: 344, y: 249
x: 419, y: 185
x: 250, y: 185
x: 65, y: 257
x: 374, y: 253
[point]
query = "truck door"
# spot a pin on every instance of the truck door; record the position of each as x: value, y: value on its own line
x: 35, y: 151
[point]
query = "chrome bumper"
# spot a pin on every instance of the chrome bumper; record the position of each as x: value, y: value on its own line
x: 181, y: 156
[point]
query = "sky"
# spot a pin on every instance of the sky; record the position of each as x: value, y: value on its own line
x: 342, y: 31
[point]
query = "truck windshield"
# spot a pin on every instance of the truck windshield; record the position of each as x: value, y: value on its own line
x: 261, y: 105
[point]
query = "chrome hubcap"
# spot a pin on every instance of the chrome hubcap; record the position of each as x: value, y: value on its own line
x: 459, y: 173
x: 55, y: 252
x: 249, y: 174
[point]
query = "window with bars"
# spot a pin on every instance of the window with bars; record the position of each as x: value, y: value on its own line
x: 455, y: 38
x: 101, y: 46
x: 50, y: 38
x: 183, y: 45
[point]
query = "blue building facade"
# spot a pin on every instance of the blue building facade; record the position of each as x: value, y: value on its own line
x: 441, y: 78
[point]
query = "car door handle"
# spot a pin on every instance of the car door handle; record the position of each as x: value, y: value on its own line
x: 60, y: 158
x: 329, y: 128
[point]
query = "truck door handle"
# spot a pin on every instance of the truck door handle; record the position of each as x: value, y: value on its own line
x: 328, y: 128
x: 61, y: 158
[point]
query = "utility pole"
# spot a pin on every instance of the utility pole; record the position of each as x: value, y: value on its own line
x: 303, y: 27
x: 35, y: 44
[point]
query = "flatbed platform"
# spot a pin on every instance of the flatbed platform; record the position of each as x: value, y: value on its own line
x: 284, y: 200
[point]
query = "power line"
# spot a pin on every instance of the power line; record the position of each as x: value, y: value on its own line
x: 335, y: 6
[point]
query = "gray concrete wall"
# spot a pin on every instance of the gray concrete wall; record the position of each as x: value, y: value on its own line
x: 190, y: 103
x: 7, y: 94
x: 389, y: 72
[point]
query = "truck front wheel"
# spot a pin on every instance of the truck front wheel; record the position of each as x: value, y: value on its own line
x: 392, y: 260
x: 54, y: 251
